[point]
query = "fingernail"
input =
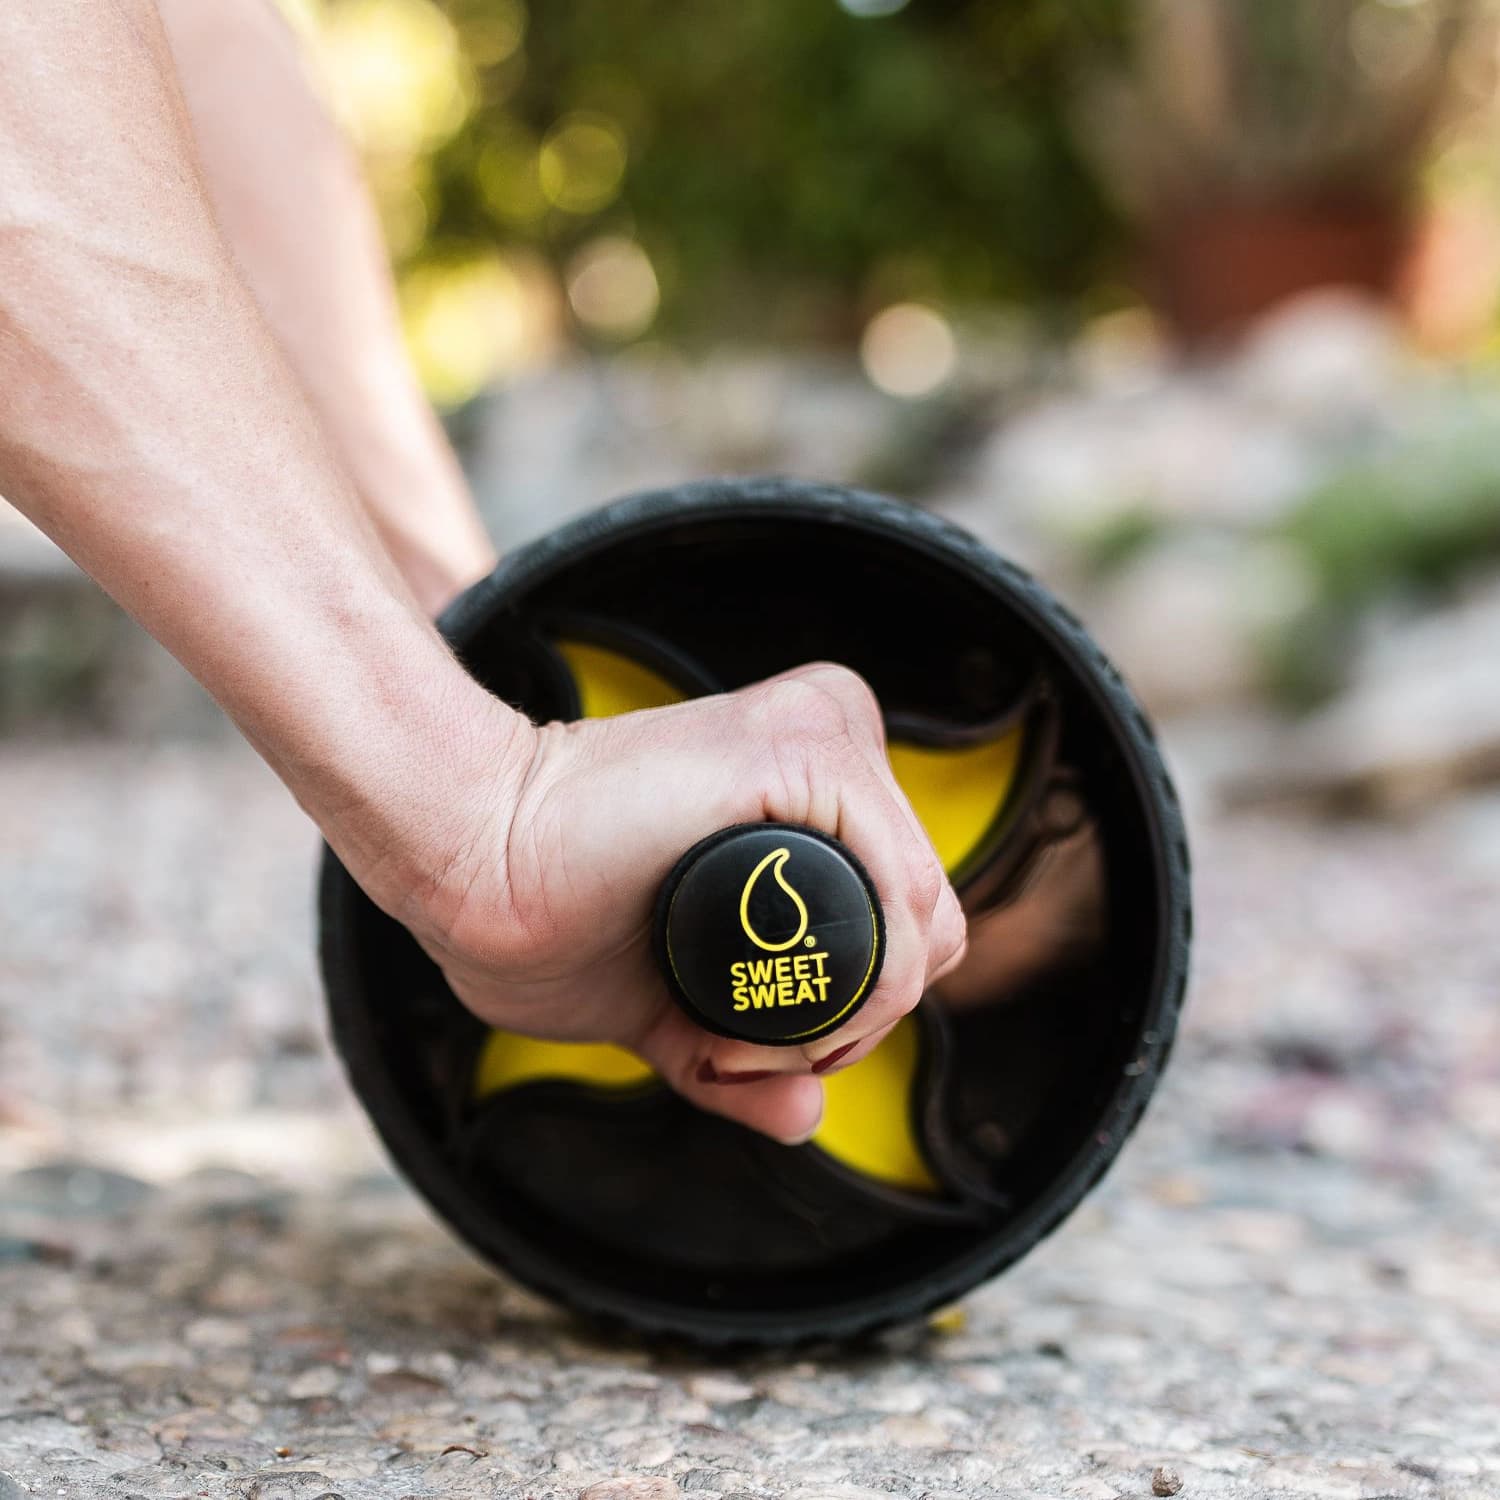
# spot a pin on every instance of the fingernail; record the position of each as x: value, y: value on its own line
x: 707, y: 1073
x: 823, y: 1064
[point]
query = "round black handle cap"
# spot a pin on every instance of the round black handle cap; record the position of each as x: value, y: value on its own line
x: 770, y: 933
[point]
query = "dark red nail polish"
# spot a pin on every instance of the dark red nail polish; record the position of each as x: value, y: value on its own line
x: 707, y: 1073
x: 823, y: 1064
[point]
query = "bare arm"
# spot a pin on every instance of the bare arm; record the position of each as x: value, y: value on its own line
x: 150, y: 424
x: 152, y: 427
x: 287, y: 193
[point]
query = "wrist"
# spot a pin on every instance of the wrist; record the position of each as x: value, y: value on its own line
x: 430, y: 762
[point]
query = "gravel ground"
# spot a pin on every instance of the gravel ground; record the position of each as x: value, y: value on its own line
x: 210, y: 1285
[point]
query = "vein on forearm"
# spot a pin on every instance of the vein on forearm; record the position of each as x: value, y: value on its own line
x: 149, y: 423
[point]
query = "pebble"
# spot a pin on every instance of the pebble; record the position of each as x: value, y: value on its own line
x: 70, y: 1189
x: 321, y: 1380
x: 217, y: 1333
x: 914, y: 1432
x: 16, y: 1251
x: 1165, y: 1481
x: 719, y: 1390
x: 650, y: 1454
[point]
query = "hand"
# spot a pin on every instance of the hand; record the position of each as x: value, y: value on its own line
x: 540, y: 911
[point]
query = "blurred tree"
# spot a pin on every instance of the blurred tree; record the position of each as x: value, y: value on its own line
x: 775, y: 170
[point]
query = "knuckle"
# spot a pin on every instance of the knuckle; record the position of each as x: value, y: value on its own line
x: 902, y: 989
x: 801, y: 709
x: 822, y: 704
x: 849, y: 689
x: 926, y: 884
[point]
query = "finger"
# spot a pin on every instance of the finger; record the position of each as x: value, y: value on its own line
x: 845, y: 786
x: 954, y: 926
x: 808, y: 694
x: 846, y: 1055
x: 925, y: 928
x: 858, y: 706
x: 787, y: 1107
x: 948, y: 929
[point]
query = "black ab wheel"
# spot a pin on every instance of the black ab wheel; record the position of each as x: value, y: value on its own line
x: 985, y: 1117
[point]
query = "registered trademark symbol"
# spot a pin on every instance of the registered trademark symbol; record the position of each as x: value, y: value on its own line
x: 809, y: 942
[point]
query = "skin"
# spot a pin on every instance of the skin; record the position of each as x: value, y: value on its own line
x: 210, y: 412
x: 288, y: 196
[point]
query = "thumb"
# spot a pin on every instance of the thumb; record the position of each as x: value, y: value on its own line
x: 786, y: 1107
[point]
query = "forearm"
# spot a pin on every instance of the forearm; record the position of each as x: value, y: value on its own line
x: 150, y: 425
x: 289, y: 198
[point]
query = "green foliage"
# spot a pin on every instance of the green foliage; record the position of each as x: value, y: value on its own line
x: 1119, y: 540
x: 790, y: 165
x: 1414, y: 520
x: 1409, y: 524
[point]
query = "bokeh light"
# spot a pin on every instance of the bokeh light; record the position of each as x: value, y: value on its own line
x: 508, y: 177
x: 467, y: 324
x: 495, y: 35
x: 582, y: 163
x: 396, y: 73
x: 908, y: 350
x: 612, y: 287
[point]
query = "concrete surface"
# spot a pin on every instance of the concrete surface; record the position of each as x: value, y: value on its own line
x: 210, y: 1285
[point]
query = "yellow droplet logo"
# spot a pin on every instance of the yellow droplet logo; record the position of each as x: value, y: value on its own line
x: 776, y: 862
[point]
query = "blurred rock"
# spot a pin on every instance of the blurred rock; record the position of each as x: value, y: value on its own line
x: 1328, y: 361
x: 70, y: 1189
x: 1172, y: 620
x: 1421, y: 717
x: 1186, y: 447
x: 71, y: 659
x: 550, y: 447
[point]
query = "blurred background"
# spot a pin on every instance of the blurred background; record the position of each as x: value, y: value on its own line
x: 1192, y: 306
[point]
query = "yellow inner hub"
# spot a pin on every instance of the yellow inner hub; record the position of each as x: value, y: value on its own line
x: 867, y: 1122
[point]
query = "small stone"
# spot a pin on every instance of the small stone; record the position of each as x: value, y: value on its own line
x: 408, y: 1384
x: 321, y: 1380
x: 11, y: 1488
x: 1165, y: 1481
x: 40, y: 1252
x: 651, y: 1453
x: 640, y: 1488
x: 914, y: 1432
x: 216, y: 1333
x: 73, y: 1189
x: 720, y: 1390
